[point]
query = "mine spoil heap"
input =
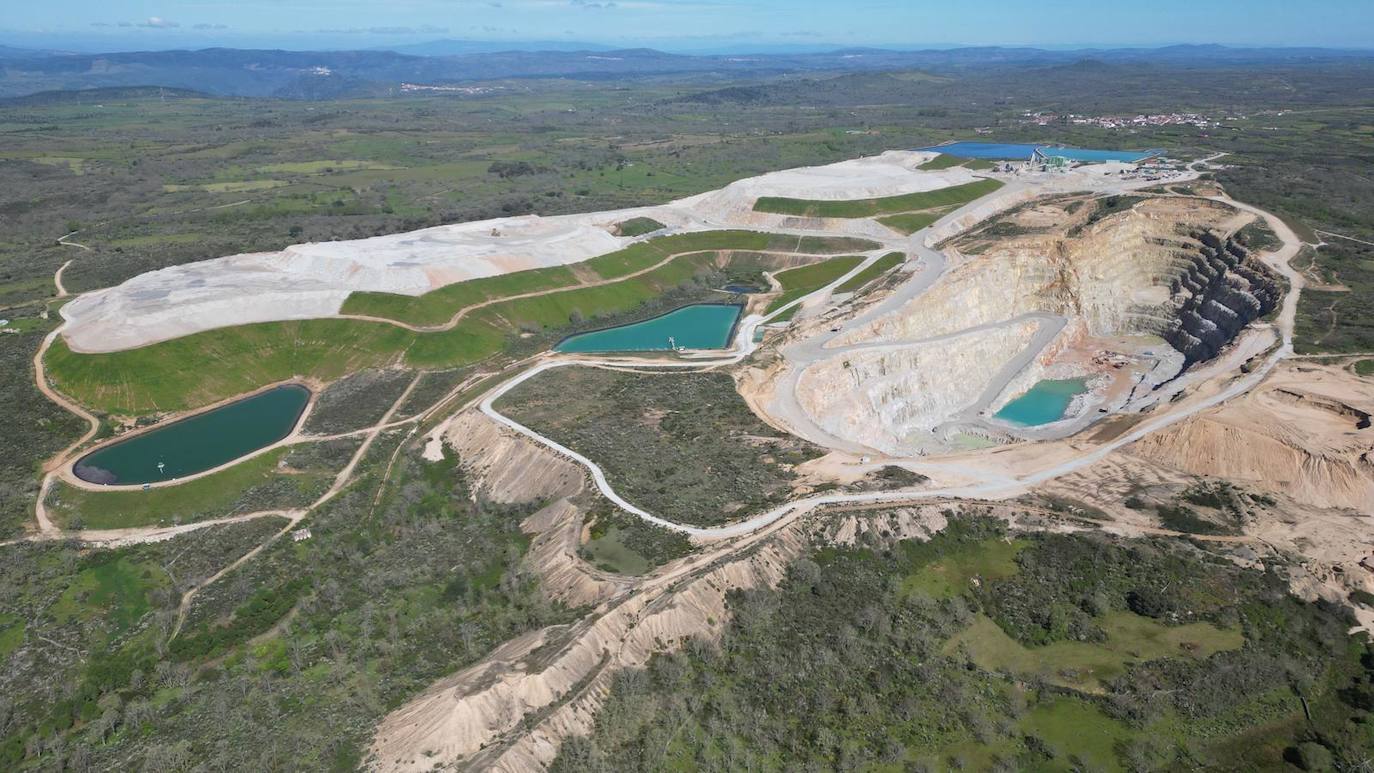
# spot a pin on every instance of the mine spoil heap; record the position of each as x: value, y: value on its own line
x: 1222, y: 291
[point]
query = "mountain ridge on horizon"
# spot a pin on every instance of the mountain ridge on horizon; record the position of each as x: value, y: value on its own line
x: 243, y: 72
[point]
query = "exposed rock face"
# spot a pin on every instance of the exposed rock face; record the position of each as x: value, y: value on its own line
x: 1132, y: 272
x: 1220, y: 293
x: 872, y: 389
x: 1154, y: 267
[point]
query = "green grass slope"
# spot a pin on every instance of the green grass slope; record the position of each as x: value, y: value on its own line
x: 798, y: 282
x: 955, y: 194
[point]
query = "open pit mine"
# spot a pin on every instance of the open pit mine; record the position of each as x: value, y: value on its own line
x: 1124, y: 292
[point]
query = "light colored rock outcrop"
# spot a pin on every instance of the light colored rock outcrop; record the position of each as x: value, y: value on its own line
x: 896, y: 396
x: 508, y: 468
x: 904, y: 381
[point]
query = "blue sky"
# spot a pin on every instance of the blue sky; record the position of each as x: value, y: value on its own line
x: 687, y: 24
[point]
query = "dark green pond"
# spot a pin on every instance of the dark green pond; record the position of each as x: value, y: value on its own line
x: 199, y: 443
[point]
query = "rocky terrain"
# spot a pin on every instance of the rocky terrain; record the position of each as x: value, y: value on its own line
x: 1059, y: 287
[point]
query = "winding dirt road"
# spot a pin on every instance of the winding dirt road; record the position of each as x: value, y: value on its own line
x: 992, y: 487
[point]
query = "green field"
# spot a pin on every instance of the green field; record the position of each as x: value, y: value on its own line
x: 226, y: 187
x: 799, y: 282
x: 1364, y: 368
x: 953, y: 574
x: 608, y: 552
x: 953, y: 195
x: 881, y: 266
x: 114, y: 589
x: 911, y: 222
x: 11, y: 635
x: 1073, y: 727
x: 942, y: 161
x: 257, y: 484
x: 1086, y: 666
x: 638, y: 226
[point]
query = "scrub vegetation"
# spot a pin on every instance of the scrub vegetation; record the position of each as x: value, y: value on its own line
x: 683, y: 446
x: 968, y: 652
x: 357, y: 401
x: 289, y: 661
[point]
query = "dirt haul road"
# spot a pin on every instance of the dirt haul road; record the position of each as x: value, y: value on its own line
x: 993, y: 486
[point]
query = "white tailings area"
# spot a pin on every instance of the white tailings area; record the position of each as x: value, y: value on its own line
x: 307, y: 281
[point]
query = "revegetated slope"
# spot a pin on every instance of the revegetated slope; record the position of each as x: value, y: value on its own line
x: 215, y: 364
x: 438, y: 306
x: 314, y: 280
x: 953, y: 195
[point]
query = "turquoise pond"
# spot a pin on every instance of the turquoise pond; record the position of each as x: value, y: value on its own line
x: 701, y: 326
x: 1043, y: 403
x: 1012, y: 151
x: 199, y: 443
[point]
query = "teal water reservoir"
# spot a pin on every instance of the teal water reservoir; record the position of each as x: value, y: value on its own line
x: 1043, y: 403
x: 700, y: 326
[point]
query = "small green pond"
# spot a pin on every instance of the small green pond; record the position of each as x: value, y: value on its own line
x: 199, y: 443
x: 1044, y: 403
x: 700, y: 326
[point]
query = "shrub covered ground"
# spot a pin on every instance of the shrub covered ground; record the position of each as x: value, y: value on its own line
x: 357, y: 401
x: 683, y: 446
x: 286, y: 663
x: 1051, y: 652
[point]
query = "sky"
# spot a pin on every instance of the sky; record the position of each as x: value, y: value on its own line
x: 110, y: 25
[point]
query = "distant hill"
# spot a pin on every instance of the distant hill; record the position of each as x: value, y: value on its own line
x: 459, y: 47
x: 336, y: 74
x: 95, y: 96
x: 10, y: 52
